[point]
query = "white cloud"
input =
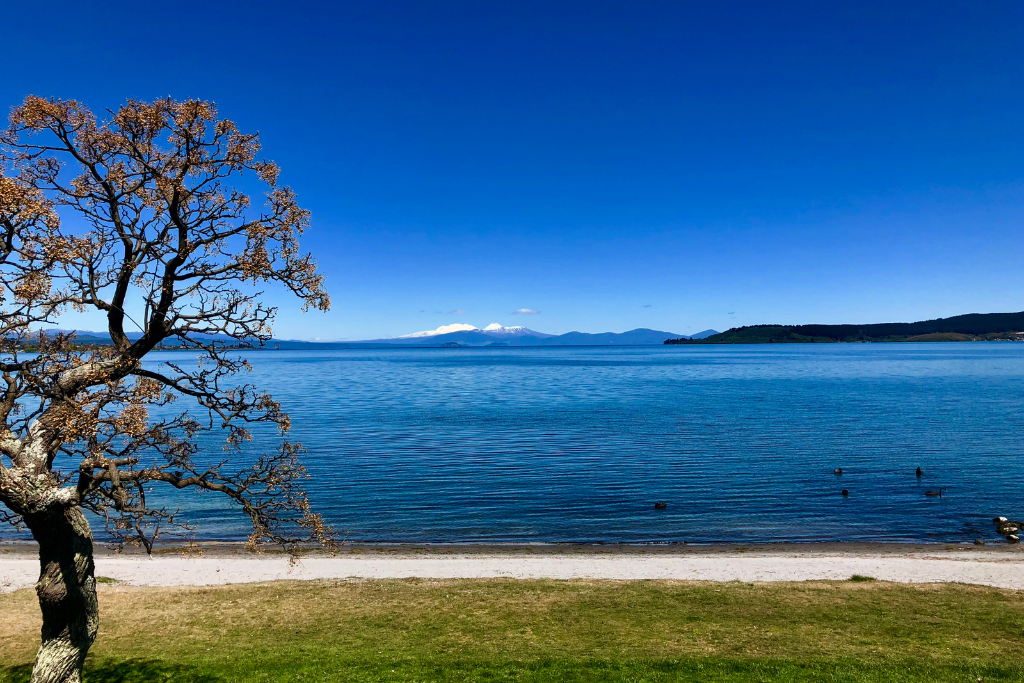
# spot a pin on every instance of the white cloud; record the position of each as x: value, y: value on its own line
x: 525, y: 311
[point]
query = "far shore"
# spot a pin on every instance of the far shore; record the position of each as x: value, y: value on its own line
x: 997, y: 565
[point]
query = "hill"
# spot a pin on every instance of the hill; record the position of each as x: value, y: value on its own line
x: 970, y: 327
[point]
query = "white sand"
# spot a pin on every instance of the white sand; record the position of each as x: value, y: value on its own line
x: 1006, y: 570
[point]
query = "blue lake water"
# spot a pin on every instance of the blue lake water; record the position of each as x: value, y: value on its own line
x: 576, y: 444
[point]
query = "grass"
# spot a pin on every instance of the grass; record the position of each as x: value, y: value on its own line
x: 532, y: 631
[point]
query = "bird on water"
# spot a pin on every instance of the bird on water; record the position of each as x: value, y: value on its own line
x: 919, y: 471
x: 935, y: 493
x: 838, y: 470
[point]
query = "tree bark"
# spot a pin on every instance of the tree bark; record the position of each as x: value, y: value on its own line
x: 67, y: 594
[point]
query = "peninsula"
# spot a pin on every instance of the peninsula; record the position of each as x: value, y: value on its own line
x: 970, y: 327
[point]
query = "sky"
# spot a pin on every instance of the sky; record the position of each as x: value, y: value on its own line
x: 602, y: 165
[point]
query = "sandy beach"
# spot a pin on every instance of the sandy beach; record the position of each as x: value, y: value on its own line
x: 1000, y: 566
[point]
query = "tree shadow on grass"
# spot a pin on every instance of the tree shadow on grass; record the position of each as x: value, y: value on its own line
x: 125, y: 671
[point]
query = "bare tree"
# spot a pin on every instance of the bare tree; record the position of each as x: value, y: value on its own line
x: 156, y: 238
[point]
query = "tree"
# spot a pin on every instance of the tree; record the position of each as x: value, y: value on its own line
x: 166, y: 248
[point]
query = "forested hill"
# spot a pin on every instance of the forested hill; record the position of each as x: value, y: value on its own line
x: 973, y: 326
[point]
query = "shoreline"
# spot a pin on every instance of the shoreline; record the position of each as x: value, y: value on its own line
x: 237, y: 548
x: 226, y: 563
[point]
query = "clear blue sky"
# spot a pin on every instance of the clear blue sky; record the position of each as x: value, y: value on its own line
x: 669, y: 165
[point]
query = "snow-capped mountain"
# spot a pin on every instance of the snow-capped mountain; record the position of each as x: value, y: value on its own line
x: 515, y: 331
x: 494, y: 329
x: 444, y: 329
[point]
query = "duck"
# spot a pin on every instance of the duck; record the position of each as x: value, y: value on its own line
x: 919, y: 472
x: 838, y: 470
x: 845, y: 492
x: 935, y: 493
x: 660, y: 505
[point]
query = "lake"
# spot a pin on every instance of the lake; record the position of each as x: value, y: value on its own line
x: 576, y: 444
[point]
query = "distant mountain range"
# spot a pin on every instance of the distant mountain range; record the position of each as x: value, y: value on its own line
x: 94, y: 337
x: 452, y: 335
x: 498, y: 335
x: 970, y: 327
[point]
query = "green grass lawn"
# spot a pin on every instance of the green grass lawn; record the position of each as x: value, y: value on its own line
x: 505, y: 630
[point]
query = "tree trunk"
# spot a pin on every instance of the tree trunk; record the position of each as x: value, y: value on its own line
x: 67, y: 594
